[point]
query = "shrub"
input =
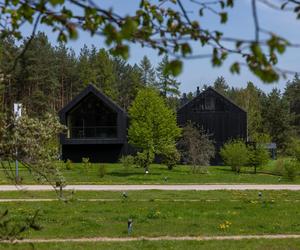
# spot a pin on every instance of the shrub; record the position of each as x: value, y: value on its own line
x: 86, y: 162
x: 127, y: 161
x: 294, y: 149
x: 102, y: 170
x: 258, y: 156
x: 235, y: 154
x: 68, y: 164
x: 143, y: 159
x: 171, y: 158
x: 195, y: 146
x: 291, y: 168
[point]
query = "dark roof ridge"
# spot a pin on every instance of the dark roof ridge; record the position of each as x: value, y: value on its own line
x: 227, y: 98
x: 211, y: 88
x: 90, y: 88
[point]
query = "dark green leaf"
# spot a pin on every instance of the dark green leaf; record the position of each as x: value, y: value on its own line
x: 224, y: 17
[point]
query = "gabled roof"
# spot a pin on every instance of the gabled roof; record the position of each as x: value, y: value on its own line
x: 216, y: 92
x: 90, y: 89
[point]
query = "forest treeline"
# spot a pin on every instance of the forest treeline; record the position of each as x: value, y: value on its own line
x: 47, y: 77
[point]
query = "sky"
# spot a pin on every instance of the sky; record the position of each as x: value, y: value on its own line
x: 197, y: 72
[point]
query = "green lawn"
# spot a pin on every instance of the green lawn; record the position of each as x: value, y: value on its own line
x: 159, y: 213
x: 286, y: 244
x: 159, y: 174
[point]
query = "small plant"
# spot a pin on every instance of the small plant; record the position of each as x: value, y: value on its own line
x: 294, y: 149
x: 153, y: 214
x: 235, y: 154
x: 143, y: 159
x: 225, y: 225
x: 102, y: 170
x: 197, y: 169
x: 290, y: 168
x: 68, y: 165
x: 86, y: 162
x: 258, y: 156
x: 171, y: 158
x: 127, y: 161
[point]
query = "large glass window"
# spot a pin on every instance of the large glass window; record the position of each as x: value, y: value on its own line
x: 91, y: 118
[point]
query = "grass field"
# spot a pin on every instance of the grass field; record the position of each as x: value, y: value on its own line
x: 159, y: 213
x: 159, y: 174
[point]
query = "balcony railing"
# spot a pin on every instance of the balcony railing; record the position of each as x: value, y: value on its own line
x: 92, y: 132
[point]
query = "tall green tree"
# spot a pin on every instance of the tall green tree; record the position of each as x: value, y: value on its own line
x: 148, y: 75
x: 128, y: 82
x: 221, y: 85
x: 65, y: 61
x: 292, y: 94
x: 37, y: 83
x: 276, y: 118
x: 250, y: 99
x: 153, y: 128
x: 166, y: 83
x: 105, y: 74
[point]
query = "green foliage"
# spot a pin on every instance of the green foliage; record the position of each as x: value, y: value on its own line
x: 292, y: 95
x: 276, y: 119
x: 35, y: 140
x: 86, y: 162
x: 167, y: 84
x: 258, y: 156
x: 148, y: 76
x: 102, y: 170
x: 143, y: 159
x: 221, y: 85
x: 127, y: 161
x: 166, y: 27
x: 196, y: 148
x: 10, y: 229
x: 294, y: 149
x: 68, y: 164
x: 291, y: 168
x: 153, y: 127
x: 249, y: 98
x: 171, y: 157
x: 235, y: 154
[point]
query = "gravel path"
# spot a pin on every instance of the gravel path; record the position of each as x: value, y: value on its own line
x: 152, y: 187
x: 169, y: 238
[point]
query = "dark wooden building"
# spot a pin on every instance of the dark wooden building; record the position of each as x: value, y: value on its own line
x: 96, y: 128
x: 217, y: 115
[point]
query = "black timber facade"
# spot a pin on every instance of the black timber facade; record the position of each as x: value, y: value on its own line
x: 96, y: 128
x: 217, y: 115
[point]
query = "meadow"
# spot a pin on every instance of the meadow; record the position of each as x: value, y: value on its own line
x: 79, y: 173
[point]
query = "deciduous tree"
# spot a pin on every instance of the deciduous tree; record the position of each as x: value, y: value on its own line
x: 153, y: 129
x: 196, y: 147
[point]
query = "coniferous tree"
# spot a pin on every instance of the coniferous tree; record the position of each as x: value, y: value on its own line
x: 292, y: 95
x: 249, y: 99
x: 166, y: 84
x: 66, y: 73
x: 37, y: 82
x: 221, y: 85
x: 105, y: 74
x: 148, y: 77
x: 276, y: 118
x: 128, y: 83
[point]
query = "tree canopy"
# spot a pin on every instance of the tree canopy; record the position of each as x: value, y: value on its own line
x: 166, y: 26
x: 153, y: 128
